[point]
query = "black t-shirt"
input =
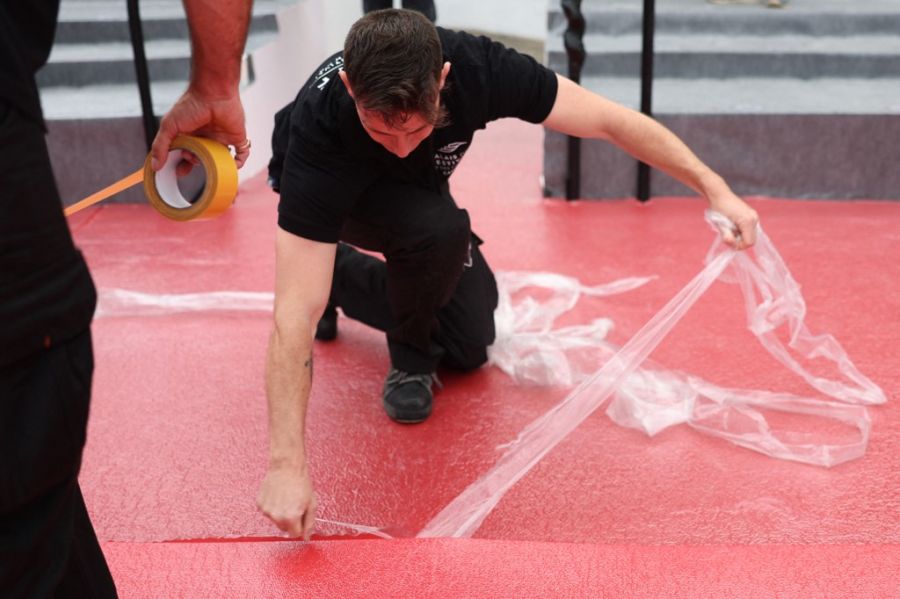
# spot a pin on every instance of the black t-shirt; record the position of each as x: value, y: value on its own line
x: 46, y: 292
x: 323, y: 159
x: 26, y: 35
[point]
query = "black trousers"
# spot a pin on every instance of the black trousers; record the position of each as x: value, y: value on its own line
x: 47, y: 544
x: 434, y: 294
x: 426, y: 7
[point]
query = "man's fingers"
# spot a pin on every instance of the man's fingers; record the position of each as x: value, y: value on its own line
x: 293, y: 524
x: 241, y: 151
x: 748, y: 233
x: 297, y: 524
x: 183, y: 169
x: 309, y: 521
x: 159, y: 151
x: 294, y: 527
x: 186, y: 163
x: 240, y: 156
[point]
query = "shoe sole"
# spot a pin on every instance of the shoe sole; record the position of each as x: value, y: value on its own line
x: 405, y: 419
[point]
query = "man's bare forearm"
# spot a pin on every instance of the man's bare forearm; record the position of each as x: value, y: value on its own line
x: 653, y: 143
x: 218, y: 34
x: 289, y: 367
x: 582, y: 113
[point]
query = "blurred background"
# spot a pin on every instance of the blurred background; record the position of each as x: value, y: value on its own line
x: 801, y: 101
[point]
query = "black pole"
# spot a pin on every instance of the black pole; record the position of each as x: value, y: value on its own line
x: 649, y: 25
x: 141, y: 72
x: 573, y: 39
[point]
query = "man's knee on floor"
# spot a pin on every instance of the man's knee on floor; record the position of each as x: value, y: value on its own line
x: 450, y: 233
x: 466, y: 359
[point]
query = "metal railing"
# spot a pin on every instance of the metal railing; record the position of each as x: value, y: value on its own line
x: 647, y: 34
x: 573, y: 39
x: 141, y: 72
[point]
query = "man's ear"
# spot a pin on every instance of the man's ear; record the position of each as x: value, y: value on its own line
x: 343, y: 75
x: 445, y: 70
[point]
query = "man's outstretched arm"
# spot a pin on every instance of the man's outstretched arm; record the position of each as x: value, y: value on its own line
x: 211, y: 106
x: 302, y: 284
x: 581, y: 113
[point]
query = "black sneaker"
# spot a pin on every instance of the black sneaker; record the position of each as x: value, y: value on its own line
x: 407, y: 397
x: 326, y: 329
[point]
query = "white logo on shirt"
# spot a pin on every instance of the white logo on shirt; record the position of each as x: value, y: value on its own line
x: 322, y: 77
x: 452, y: 147
x: 447, y: 157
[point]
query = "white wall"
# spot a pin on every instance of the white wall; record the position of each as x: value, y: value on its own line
x: 521, y: 18
x: 308, y: 31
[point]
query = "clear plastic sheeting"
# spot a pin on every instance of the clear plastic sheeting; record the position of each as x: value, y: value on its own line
x: 359, y: 529
x: 528, y: 348
x: 647, y: 397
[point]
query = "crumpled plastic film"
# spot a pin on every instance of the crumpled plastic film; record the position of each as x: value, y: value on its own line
x: 527, y: 347
x: 651, y: 398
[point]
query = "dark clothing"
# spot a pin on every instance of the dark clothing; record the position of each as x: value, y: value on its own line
x: 47, y: 544
x: 46, y: 293
x: 426, y: 7
x: 324, y: 161
x: 434, y: 296
x: 26, y: 35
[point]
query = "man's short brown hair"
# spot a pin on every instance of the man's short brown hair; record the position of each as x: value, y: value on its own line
x: 393, y: 60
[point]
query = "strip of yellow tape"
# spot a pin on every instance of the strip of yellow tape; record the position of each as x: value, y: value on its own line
x: 161, y: 188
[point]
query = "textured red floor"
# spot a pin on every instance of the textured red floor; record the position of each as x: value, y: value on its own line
x: 478, y: 569
x: 177, y: 441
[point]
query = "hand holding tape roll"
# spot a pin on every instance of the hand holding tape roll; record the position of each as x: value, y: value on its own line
x: 161, y: 188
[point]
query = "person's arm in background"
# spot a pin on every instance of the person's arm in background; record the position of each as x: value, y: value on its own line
x: 302, y: 285
x: 581, y: 113
x: 211, y: 106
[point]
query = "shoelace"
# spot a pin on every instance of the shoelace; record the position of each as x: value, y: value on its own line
x: 395, y: 378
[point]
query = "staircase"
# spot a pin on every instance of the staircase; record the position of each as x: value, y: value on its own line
x: 796, y: 102
x: 89, y: 92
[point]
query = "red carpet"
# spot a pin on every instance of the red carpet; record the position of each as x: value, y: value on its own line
x: 177, y: 441
x: 476, y: 569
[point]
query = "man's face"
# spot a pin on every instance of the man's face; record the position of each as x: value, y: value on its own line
x: 401, y: 138
x: 404, y: 136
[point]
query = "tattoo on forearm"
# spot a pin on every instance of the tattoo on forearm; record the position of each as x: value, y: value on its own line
x: 309, y: 364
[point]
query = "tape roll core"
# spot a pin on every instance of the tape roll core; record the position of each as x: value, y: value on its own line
x: 161, y: 188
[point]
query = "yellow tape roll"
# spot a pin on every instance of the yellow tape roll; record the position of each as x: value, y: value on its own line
x: 161, y: 188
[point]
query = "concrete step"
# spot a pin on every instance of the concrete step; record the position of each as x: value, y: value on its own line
x: 799, y: 102
x: 801, y: 17
x: 757, y: 96
x: 826, y: 138
x: 88, y: 90
x: 83, y: 11
x: 106, y: 101
x: 728, y: 56
x: 90, y: 21
x: 93, y: 45
x: 75, y: 65
x: 777, y: 155
x: 85, y: 29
